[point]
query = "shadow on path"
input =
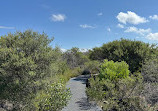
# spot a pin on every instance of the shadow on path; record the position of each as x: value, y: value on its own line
x: 84, y: 104
x: 82, y: 78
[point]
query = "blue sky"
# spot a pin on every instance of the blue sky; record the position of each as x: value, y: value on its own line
x: 82, y: 23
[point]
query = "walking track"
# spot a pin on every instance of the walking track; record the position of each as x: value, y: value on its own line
x: 78, y: 101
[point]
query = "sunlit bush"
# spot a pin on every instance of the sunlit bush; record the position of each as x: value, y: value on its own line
x: 54, y: 98
x: 114, y: 70
x: 116, y: 90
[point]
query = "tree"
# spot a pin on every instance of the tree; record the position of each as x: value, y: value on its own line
x: 75, y: 58
x: 26, y: 61
x: 134, y: 53
x: 91, y: 67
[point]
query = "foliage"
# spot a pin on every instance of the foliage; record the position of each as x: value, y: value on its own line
x: 133, y: 53
x: 150, y: 92
x: 27, y: 65
x: 30, y: 70
x: 116, y: 90
x: 91, y: 67
x: 54, y: 98
x: 75, y: 58
x: 150, y: 70
x: 150, y: 75
x: 114, y: 70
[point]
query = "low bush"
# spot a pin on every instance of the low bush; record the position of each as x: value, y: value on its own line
x: 116, y: 90
x: 150, y: 70
x: 150, y: 75
x: 114, y: 70
x: 54, y: 98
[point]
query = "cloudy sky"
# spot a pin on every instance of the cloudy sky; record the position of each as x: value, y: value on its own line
x: 82, y: 23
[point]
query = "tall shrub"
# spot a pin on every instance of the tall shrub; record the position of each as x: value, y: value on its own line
x: 134, y: 53
x: 26, y: 61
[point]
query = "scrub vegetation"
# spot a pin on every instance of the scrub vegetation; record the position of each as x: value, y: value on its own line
x: 127, y: 79
x: 33, y: 74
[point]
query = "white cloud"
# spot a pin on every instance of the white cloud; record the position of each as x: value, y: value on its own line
x: 4, y: 27
x: 87, y: 26
x: 154, y: 17
x: 100, y: 14
x: 138, y: 31
x: 131, y: 18
x: 108, y: 29
x: 58, y: 17
x: 120, y: 26
x: 152, y: 36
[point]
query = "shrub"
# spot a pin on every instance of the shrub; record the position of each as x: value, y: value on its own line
x: 116, y: 90
x: 150, y: 70
x: 91, y: 67
x: 150, y: 75
x: 113, y: 70
x: 54, y: 98
x: 133, y: 53
x: 27, y: 65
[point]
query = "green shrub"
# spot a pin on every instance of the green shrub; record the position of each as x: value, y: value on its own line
x: 150, y: 75
x: 91, y: 67
x: 54, y: 98
x: 27, y: 65
x: 116, y: 90
x: 133, y: 53
x: 114, y: 70
x: 150, y: 70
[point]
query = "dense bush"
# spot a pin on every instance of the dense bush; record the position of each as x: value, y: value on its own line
x: 133, y: 53
x: 27, y: 65
x: 114, y: 70
x: 116, y: 90
x: 91, y: 67
x: 150, y: 75
x: 54, y: 98
x: 150, y: 70
x: 75, y: 58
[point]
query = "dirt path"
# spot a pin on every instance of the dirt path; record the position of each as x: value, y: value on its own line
x: 78, y: 100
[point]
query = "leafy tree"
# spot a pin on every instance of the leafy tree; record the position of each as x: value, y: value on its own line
x: 75, y: 58
x: 134, y: 53
x: 27, y: 66
x: 91, y: 67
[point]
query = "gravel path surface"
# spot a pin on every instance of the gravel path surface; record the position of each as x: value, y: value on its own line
x: 78, y: 100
